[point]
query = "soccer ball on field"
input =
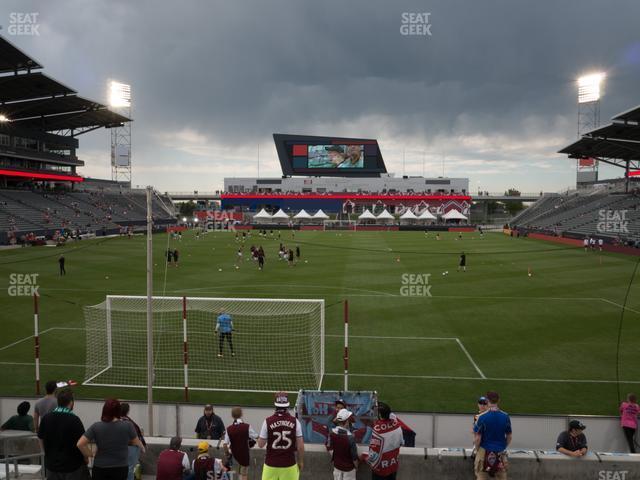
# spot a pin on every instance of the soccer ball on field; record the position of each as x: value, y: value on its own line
x: 219, y: 269
x: 529, y: 274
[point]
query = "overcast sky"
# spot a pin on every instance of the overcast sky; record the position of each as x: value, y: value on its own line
x: 490, y: 95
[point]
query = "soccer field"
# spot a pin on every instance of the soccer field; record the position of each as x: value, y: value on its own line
x: 549, y: 343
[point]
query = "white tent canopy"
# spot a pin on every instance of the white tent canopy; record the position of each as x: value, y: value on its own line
x: 262, y: 214
x: 426, y: 215
x: 366, y: 215
x: 454, y: 215
x: 320, y: 214
x: 385, y: 215
x: 280, y: 214
x: 408, y: 215
x: 302, y: 214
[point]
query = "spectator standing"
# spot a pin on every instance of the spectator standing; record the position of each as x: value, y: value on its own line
x: 629, y: 412
x: 384, y: 447
x: 209, y: 425
x: 21, y: 421
x: 492, y: 437
x: 282, y: 435
x: 238, y: 439
x: 483, y: 406
x: 46, y: 403
x: 59, y: 433
x: 134, y: 451
x: 204, y: 466
x: 573, y: 442
x: 112, y: 438
x: 342, y: 445
x: 172, y: 463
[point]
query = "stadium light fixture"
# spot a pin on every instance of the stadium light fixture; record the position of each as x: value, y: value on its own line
x: 119, y: 94
x: 589, y: 87
x: 3, y: 118
x: 184, y: 219
x: 195, y: 219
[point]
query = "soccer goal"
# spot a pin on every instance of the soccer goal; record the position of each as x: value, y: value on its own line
x: 278, y: 344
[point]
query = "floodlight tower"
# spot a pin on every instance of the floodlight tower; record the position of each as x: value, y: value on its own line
x: 120, y: 100
x: 589, y: 93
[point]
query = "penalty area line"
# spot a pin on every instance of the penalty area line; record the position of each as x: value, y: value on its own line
x: 475, y: 365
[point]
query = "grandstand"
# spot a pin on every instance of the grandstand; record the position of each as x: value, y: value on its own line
x: 586, y: 212
x: 41, y: 193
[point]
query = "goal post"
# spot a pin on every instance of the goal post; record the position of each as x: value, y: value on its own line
x: 278, y: 344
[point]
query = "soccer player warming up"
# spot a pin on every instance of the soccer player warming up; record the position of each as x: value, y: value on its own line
x: 462, y: 264
x: 224, y: 329
x: 282, y: 435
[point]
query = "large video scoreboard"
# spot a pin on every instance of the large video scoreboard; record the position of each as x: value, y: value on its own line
x: 329, y: 156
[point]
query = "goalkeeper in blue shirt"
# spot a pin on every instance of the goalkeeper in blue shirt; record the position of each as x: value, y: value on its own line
x: 224, y: 329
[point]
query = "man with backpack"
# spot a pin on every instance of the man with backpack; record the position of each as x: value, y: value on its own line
x: 492, y: 437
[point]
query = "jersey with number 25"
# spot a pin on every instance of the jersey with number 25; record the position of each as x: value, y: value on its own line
x: 281, y: 430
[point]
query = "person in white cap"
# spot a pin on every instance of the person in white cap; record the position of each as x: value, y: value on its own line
x: 342, y: 445
x: 282, y: 435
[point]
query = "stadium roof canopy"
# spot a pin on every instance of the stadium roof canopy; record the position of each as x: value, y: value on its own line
x: 29, y: 86
x: 34, y: 101
x: 84, y: 120
x: 617, y: 144
x: 632, y: 115
x: 12, y: 59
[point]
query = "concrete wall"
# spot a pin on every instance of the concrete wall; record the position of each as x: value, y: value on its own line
x: 431, y: 463
x: 422, y: 463
x: 432, y: 430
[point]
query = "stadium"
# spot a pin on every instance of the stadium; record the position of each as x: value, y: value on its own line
x: 339, y: 276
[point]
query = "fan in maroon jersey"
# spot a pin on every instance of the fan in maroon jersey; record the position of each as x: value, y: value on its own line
x: 282, y: 435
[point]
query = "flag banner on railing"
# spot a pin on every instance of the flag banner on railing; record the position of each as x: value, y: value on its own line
x: 316, y: 411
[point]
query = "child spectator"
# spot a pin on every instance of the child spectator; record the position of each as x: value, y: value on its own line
x: 342, y: 445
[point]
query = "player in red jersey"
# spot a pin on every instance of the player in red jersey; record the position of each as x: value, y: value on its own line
x: 282, y: 434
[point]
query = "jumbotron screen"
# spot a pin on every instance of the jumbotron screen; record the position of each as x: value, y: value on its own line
x: 335, y: 156
x: 328, y: 156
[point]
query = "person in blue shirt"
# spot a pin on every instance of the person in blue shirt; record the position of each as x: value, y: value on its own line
x: 492, y: 436
x: 224, y: 329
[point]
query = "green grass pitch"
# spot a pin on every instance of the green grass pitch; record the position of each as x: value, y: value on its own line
x: 548, y: 343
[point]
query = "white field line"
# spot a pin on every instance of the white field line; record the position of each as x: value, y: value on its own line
x: 475, y: 365
x: 26, y: 338
x: 620, y: 306
x: 379, y: 375
x: 487, y: 379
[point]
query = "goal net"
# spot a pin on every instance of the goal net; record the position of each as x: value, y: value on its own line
x: 278, y: 344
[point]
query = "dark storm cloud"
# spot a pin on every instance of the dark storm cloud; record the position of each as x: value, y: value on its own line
x: 235, y: 71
